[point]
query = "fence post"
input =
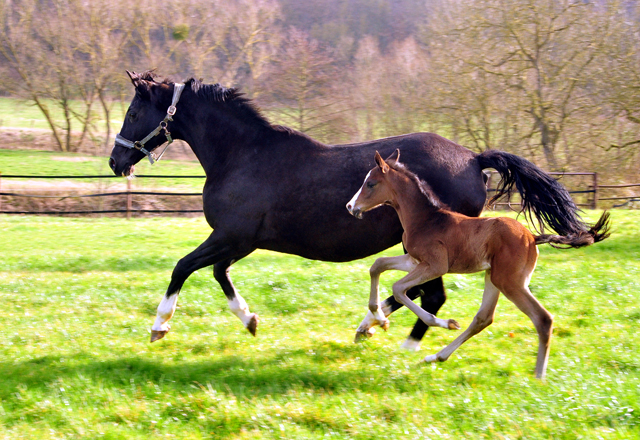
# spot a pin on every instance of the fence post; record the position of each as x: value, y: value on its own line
x: 128, y: 199
x: 594, y: 205
x: 0, y: 191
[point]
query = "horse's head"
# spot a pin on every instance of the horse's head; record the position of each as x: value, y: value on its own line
x: 147, y: 114
x: 374, y: 191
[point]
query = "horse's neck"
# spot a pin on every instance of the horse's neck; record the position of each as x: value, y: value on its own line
x: 215, y: 145
x: 218, y: 144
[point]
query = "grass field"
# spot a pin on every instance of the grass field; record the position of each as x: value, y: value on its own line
x: 18, y: 113
x: 33, y: 162
x: 79, y: 296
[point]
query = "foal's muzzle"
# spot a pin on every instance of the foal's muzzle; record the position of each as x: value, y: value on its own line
x: 357, y: 213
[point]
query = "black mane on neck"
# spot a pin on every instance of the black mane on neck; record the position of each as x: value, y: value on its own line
x: 242, y: 106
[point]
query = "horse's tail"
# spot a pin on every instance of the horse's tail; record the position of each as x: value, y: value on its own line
x: 542, y: 196
x: 598, y: 232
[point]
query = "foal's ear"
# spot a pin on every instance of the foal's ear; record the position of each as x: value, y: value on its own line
x: 395, y: 156
x: 381, y: 163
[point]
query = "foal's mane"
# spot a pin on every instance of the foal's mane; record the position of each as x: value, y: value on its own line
x: 423, y: 186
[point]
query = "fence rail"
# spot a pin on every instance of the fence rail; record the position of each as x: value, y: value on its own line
x: 585, y: 195
x: 129, y: 193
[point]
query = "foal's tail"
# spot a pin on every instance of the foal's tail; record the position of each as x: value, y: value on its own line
x: 598, y: 232
x: 542, y: 197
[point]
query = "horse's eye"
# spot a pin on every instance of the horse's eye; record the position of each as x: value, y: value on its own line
x: 371, y: 184
x: 132, y: 115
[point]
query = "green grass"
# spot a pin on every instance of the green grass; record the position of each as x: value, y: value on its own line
x: 79, y: 296
x: 33, y: 162
x: 18, y: 113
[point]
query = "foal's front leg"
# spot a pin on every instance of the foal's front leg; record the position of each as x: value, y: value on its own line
x: 422, y: 273
x: 376, y: 316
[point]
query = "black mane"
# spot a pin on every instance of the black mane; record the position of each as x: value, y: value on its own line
x: 215, y: 93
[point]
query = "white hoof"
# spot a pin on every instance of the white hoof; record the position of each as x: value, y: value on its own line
x: 411, y: 344
x: 431, y: 358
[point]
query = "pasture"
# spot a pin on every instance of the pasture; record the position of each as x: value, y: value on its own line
x: 79, y: 296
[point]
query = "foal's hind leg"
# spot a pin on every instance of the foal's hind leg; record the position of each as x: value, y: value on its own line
x: 542, y: 320
x: 483, y: 319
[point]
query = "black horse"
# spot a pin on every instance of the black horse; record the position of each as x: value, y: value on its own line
x: 271, y: 187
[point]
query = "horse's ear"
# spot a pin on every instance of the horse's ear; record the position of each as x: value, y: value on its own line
x: 381, y: 163
x: 135, y: 78
x: 395, y: 156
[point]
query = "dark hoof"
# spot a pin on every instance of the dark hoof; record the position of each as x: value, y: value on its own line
x: 158, y: 334
x: 363, y: 336
x: 453, y: 325
x: 253, y: 324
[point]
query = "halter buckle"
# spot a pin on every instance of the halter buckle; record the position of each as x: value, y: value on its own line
x: 171, y: 110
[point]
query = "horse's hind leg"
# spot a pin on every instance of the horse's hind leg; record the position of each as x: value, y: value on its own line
x: 482, y: 320
x: 432, y: 298
x: 237, y: 304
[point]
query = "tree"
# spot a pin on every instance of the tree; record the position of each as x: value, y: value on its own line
x: 303, y: 87
x: 60, y: 56
x: 535, y: 57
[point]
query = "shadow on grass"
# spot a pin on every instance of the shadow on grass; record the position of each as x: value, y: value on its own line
x: 272, y: 375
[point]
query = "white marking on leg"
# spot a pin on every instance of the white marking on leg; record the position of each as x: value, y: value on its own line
x: 431, y: 358
x: 164, y: 312
x: 411, y: 344
x: 368, y: 322
x: 240, y: 308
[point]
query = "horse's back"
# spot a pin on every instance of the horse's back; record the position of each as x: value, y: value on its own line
x: 449, y: 168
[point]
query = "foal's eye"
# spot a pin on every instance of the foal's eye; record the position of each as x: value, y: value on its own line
x: 371, y: 184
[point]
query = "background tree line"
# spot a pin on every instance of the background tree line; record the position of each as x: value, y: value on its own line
x: 556, y: 81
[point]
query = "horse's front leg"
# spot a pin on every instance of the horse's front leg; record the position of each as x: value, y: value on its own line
x: 216, y: 248
x: 237, y: 304
x: 377, y: 315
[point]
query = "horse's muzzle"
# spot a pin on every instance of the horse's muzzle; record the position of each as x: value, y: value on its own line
x: 126, y: 171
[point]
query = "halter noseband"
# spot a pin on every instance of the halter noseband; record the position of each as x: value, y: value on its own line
x: 139, y: 145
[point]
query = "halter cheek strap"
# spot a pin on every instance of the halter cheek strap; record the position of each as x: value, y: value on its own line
x: 139, y: 145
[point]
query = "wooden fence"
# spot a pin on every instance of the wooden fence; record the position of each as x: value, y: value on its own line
x: 583, y: 187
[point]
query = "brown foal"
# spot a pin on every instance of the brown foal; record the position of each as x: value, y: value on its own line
x: 439, y: 241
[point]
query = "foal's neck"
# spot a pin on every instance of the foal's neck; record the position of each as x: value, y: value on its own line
x: 410, y: 202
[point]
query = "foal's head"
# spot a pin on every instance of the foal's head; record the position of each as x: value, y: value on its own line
x: 375, y: 190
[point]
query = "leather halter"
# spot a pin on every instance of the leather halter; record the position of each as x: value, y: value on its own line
x: 139, y: 145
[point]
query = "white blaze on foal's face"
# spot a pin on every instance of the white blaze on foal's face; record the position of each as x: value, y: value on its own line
x: 352, y: 202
